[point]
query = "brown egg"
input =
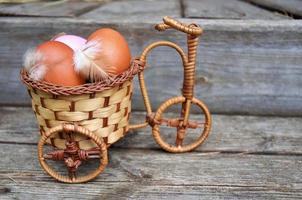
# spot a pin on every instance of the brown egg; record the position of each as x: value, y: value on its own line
x: 105, y: 54
x: 114, y: 48
x: 58, y: 59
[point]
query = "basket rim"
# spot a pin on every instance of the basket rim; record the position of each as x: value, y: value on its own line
x: 87, y: 88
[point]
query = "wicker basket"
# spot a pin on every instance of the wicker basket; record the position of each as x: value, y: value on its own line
x: 102, y: 108
x: 104, y: 113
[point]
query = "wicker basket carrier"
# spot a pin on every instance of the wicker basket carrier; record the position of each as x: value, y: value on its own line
x: 104, y: 113
x: 103, y: 110
x: 81, y: 122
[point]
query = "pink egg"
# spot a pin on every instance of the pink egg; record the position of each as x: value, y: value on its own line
x: 73, y: 41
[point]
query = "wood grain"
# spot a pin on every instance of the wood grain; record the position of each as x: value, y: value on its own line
x: 245, y: 134
x: 49, y: 9
x: 17, y: 1
x: 288, y: 7
x: 135, y: 10
x: 148, y: 174
x: 244, y: 67
x: 230, y: 9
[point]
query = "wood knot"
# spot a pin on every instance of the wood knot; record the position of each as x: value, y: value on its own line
x: 4, y: 190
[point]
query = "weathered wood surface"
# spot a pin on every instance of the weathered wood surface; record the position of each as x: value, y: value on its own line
x: 288, y: 7
x: 244, y: 67
x: 230, y: 9
x: 49, y: 9
x: 245, y: 157
x: 150, y: 174
x: 135, y: 10
x: 244, y: 134
x: 17, y: 1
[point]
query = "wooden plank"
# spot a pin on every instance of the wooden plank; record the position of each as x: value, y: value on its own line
x: 17, y: 1
x: 246, y: 134
x: 221, y: 9
x: 134, y: 10
x: 49, y: 9
x: 5, y: 5
x: 244, y: 67
x: 289, y: 7
x: 147, y: 174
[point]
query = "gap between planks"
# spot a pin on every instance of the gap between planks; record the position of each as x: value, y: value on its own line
x: 203, y: 152
x: 229, y: 135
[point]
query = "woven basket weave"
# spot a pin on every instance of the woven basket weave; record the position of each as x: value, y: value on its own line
x: 103, y: 111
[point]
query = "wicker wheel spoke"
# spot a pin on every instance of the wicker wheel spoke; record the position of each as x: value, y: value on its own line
x: 181, y: 133
x: 203, y: 126
x: 72, y: 164
x: 93, y: 154
x: 88, y: 154
x: 175, y: 122
x: 195, y: 124
x: 70, y: 137
x: 172, y: 122
x: 57, y: 154
x: 94, y: 157
x: 73, y: 155
x: 72, y: 175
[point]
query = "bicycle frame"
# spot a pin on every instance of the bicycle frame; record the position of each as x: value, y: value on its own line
x: 193, y: 32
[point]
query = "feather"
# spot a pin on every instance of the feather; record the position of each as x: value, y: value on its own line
x: 32, y: 62
x: 84, y: 61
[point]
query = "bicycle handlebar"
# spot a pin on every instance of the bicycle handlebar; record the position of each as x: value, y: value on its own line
x: 191, y: 29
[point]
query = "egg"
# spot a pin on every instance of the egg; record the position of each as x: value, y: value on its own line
x: 105, y: 54
x: 52, y: 62
x: 73, y: 41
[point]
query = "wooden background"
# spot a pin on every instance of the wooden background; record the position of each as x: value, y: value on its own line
x: 249, y: 74
x: 244, y: 66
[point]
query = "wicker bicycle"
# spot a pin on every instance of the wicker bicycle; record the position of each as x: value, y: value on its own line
x: 81, y: 122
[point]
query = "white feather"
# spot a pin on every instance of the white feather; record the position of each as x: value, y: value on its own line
x: 85, y: 64
x: 32, y: 62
